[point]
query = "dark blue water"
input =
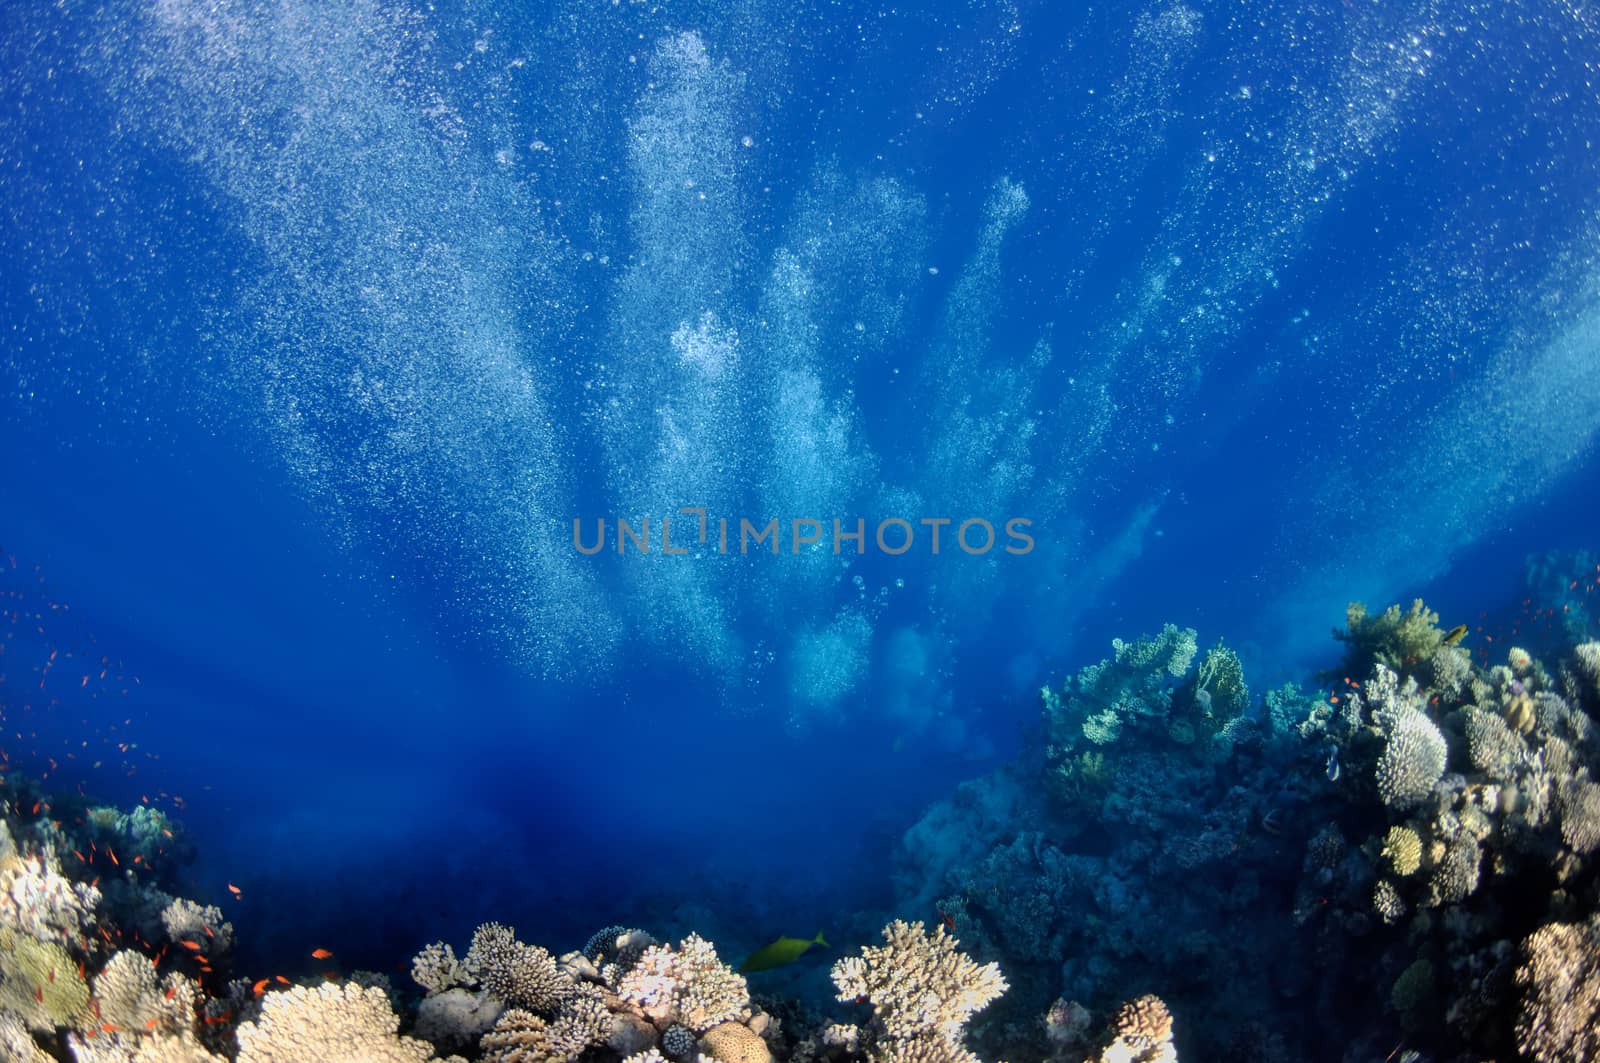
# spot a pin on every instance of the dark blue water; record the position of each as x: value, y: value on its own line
x: 321, y: 324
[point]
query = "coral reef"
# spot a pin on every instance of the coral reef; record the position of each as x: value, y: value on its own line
x: 1416, y: 847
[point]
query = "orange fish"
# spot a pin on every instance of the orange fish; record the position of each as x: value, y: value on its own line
x: 321, y: 954
x: 152, y: 1024
x: 190, y: 945
x: 235, y: 890
x: 260, y: 987
x: 169, y: 994
x: 109, y: 1027
x: 284, y: 980
x: 113, y: 856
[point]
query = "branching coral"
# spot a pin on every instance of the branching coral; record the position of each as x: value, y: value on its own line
x: 523, y: 976
x: 329, y: 1024
x: 201, y: 923
x: 1141, y: 1032
x: 922, y: 991
x: 688, y: 984
x: 436, y: 968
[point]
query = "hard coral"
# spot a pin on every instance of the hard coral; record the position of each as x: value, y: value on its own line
x: 922, y: 991
x: 523, y: 976
x: 688, y: 984
x: 1560, y: 1015
x: 1141, y: 1033
x: 329, y: 1024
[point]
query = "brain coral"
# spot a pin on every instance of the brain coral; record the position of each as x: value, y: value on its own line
x: 922, y: 990
x: 1560, y: 1016
x: 329, y: 1024
x: 689, y: 984
x: 734, y: 1042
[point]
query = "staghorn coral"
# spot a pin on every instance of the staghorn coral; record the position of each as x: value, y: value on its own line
x: 436, y: 968
x: 687, y: 984
x: 922, y: 991
x: 1559, y: 1018
x: 329, y: 1024
x: 523, y: 976
x: 649, y: 1055
x: 1141, y: 1032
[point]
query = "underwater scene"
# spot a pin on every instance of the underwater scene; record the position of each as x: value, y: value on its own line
x: 733, y: 531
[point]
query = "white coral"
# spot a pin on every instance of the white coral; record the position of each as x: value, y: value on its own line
x: 689, y: 984
x: 329, y: 1024
x: 922, y: 990
x: 37, y: 900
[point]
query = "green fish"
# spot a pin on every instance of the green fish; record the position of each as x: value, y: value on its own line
x: 780, y: 952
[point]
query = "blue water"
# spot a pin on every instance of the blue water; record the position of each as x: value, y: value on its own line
x: 319, y: 324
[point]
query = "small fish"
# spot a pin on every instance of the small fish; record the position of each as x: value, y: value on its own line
x: 321, y: 954
x: 260, y: 987
x: 235, y: 890
x: 1455, y: 635
x: 782, y: 951
x: 151, y: 1024
x: 1333, y: 763
x: 190, y: 945
x: 282, y: 979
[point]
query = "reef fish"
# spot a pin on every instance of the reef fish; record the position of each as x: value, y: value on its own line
x: 1455, y: 635
x: 1333, y: 763
x: 780, y: 952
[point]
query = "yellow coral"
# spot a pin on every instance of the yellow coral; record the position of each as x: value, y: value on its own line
x: 1404, y: 850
